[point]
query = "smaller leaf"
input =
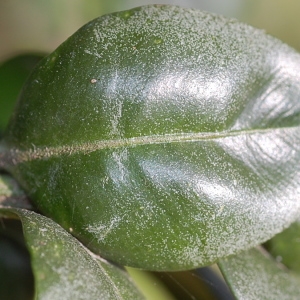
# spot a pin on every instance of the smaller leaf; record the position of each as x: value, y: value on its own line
x: 253, y: 274
x: 64, y: 269
x: 285, y: 247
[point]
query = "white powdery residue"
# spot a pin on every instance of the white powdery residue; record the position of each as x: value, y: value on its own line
x: 286, y: 206
x: 214, y: 190
x: 94, y: 53
x: 251, y: 226
x: 119, y: 170
x: 162, y: 172
x: 43, y: 231
x: 250, y: 270
x: 116, y: 116
x: 216, y: 240
x: 100, y: 230
x: 73, y: 289
x: 115, y: 104
x: 96, y: 41
x: 150, y: 210
x: 97, y: 34
x: 77, y: 276
x: 192, y: 254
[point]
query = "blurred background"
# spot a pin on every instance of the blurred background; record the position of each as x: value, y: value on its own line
x: 41, y: 25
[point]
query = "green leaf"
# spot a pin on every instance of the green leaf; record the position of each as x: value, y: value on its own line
x: 255, y: 275
x: 63, y: 268
x: 285, y: 247
x: 164, y: 138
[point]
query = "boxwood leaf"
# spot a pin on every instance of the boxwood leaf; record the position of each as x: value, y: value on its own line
x: 63, y: 268
x: 254, y: 274
x: 163, y: 138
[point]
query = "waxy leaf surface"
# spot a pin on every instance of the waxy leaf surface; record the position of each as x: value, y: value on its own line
x: 63, y: 268
x: 253, y: 274
x: 163, y: 138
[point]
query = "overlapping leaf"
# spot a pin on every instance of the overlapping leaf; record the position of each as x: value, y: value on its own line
x: 162, y: 137
x: 253, y: 274
x: 63, y: 268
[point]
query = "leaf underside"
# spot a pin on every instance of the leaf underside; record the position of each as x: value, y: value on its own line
x: 253, y: 274
x: 63, y: 268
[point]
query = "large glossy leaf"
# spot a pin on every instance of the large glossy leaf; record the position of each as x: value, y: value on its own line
x: 253, y: 274
x: 63, y: 268
x: 163, y: 138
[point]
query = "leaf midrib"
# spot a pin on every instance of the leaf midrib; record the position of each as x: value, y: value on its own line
x: 15, y: 156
